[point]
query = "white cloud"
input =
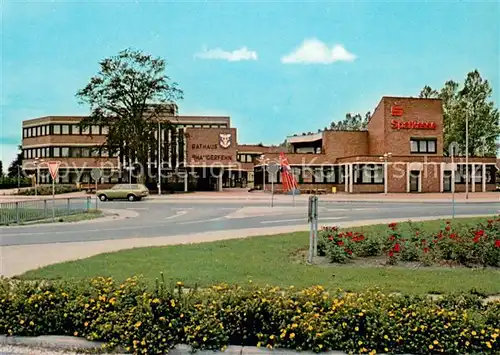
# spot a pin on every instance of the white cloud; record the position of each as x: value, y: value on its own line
x: 237, y: 55
x: 314, y: 51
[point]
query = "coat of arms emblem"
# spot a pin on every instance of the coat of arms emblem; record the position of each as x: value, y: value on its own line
x: 225, y: 140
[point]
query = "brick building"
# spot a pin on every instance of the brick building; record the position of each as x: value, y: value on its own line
x: 401, y: 151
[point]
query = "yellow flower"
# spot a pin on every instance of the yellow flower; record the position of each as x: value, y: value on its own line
x: 488, y: 344
x: 494, y: 336
x: 294, y: 325
x: 271, y: 337
x: 204, y: 338
x: 386, y: 337
x: 259, y: 344
x: 482, y: 331
x: 31, y: 323
x: 356, y: 329
x: 292, y: 335
x: 360, y: 342
x: 21, y: 322
x: 386, y: 349
x: 172, y: 303
x: 361, y: 314
x: 436, y: 342
x: 87, y: 305
x: 75, y: 334
x: 85, y: 324
x: 467, y: 343
x: 138, y: 324
x: 431, y: 347
x: 179, y: 283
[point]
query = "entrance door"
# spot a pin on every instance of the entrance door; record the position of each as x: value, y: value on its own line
x: 414, y: 180
x: 447, y: 181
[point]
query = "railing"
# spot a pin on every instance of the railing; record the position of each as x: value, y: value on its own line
x: 33, y: 210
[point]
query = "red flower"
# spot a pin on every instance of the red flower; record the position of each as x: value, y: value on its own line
x: 424, y: 241
x: 448, y: 228
x: 497, y: 243
x: 397, y: 248
x: 340, y: 243
x: 453, y: 235
x: 393, y: 225
x: 440, y: 235
x: 480, y: 233
x: 330, y: 238
x: 416, y: 233
x: 391, y: 254
x: 349, y: 252
x: 426, y: 250
x: 392, y: 237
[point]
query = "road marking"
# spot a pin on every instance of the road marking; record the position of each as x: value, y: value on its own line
x: 178, y: 214
x: 300, y: 220
x: 202, y: 221
x: 182, y: 209
x: 137, y: 208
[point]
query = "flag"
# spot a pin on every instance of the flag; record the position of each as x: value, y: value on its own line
x: 287, y: 178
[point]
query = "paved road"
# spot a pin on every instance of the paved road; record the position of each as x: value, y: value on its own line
x: 161, y: 218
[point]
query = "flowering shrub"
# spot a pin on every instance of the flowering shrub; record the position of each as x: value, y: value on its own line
x: 140, y: 320
x: 451, y: 245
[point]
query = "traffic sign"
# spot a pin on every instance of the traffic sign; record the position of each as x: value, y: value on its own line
x: 53, y: 168
x: 273, y: 168
x: 96, y: 173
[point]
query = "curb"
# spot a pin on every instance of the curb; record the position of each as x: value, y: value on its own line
x: 56, y: 342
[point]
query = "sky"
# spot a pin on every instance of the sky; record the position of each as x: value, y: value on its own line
x: 275, y: 67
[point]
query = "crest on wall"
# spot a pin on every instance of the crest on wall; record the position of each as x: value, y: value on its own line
x: 225, y: 140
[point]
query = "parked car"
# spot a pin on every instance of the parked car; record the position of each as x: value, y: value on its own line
x: 131, y: 192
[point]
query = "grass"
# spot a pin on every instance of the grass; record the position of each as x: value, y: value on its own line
x: 272, y: 260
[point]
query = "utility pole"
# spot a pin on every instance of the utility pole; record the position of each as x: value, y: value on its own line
x: 159, y: 158
x: 467, y: 153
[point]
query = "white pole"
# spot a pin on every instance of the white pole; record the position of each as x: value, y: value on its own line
x: 264, y: 177
x: 272, y: 192
x: 385, y: 175
x: 53, y: 199
x: 467, y: 154
x: 453, y: 184
x: 159, y: 158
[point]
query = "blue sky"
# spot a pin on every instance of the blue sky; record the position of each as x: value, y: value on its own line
x: 237, y: 58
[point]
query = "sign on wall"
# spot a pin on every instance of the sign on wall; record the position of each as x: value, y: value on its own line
x: 211, y: 146
x: 396, y: 110
x: 398, y: 124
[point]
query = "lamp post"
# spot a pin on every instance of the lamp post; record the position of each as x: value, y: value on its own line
x: 464, y: 92
x: 159, y: 158
x: 385, y: 159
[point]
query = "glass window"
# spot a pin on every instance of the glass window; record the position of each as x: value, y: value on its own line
x: 366, y: 176
x: 318, y: 175
x: 57, y: 129
x: 431, y: 146
x: 75, y: 129
x: 329, y: 174
x: 86, y: 130
x: 414, y: 146
x: 65, y: 152
x: 422, y: 145
x: 378, y: 176
x: 94, y: 152
x: 56, y: 151
x: 76, y: 152
x: 65, y: 129
x: 104, y: 152
x: 197, y: 126
x: 95, y: 130
x: 104, y: 130
x: 37, y: 131
x: 85, y: 152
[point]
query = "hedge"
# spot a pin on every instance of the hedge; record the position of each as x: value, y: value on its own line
x: 146, y: 320
x: 12, y: 183
x: 45, y: 190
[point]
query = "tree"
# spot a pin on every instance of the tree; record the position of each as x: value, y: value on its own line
x: 17, y: 164
x: 1, y: 168
x: 351, y: 123
x: 472, y: 102
x: 129, y: 95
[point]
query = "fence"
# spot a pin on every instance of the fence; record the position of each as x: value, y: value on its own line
x: 34, y: 210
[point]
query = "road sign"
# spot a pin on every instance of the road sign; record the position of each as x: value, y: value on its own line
x: 273, y: 168
x: 96, y: 173
x: 53, y: 168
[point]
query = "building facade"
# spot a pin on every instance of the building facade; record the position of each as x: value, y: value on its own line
x: 400, y: 151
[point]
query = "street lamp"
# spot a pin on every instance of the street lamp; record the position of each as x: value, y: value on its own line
x: 159, y: 158
x: 385, y: 159
x: 464, y: 92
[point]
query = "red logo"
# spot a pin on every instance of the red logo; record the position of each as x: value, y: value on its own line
x: 396, y: 111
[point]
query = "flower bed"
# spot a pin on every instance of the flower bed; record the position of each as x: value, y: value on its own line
x: 130, y: 316
x: 478, y: 245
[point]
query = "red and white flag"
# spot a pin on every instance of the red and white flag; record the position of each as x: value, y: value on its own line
x: 287, y: 178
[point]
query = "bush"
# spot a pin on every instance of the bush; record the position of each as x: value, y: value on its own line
x: 141, y: 320
x: 452, y: 245
x: 45, y: 190
x: 12, y: 183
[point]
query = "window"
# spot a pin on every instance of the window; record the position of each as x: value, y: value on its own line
x: 94, y: 152
x: 44, y: 130
x: 75, y: 129
x: 329, y: 174
x: 318, y: 175
x: 37, y: 131
x: 56, y: 151
x: 65, y: 129
x: 85, y: 152
x: 368, y: 174
x: 65, y: 152
x: 104, y: 152
x: 76, y: 152
x: 56, y: 129
x: 86, y: 130
x: 423, y: 145
x: 95, y: 130
x: 104, y: 130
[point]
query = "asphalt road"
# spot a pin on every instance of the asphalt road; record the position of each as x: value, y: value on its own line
x: 162, y: 218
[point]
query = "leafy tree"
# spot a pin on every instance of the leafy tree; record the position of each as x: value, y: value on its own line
x: 129, y: 95
x: 351, y: 122
x: 1, y: 168
x: 472, y: 102
x: 16, y: 163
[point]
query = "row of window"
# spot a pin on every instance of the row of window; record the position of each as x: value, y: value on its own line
x: 65, y: 152
x: 245, y: 158
x: 423, y: 146
x: 476, y: 176
x: 75, y: 129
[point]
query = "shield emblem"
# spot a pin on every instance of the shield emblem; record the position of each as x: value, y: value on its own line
x: 225, y: 140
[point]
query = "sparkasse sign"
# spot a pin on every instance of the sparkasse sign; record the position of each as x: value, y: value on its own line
x: 397, y: 124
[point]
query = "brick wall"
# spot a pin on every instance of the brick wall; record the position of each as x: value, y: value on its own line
x: 343, y: 144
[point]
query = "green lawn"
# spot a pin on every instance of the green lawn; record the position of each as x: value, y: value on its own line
x: 271, y: 260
